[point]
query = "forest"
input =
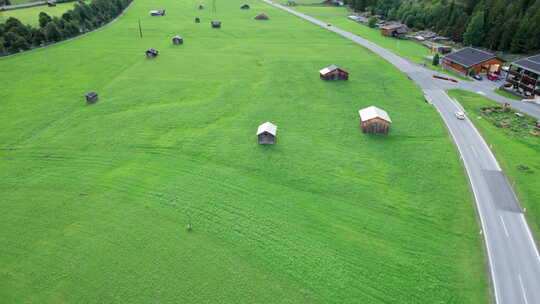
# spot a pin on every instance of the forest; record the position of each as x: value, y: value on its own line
x: 500, y: 25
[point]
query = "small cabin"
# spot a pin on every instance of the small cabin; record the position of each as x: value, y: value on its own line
x: 197, y: 20
x: 396, y: 30
x: 200, y: 6
x: 216, y: 24
x: 245, y: 6
x: 374, y: 120
x: 91, y: 97
x: 51, y: 3
x: 266, y: 133
x: 177, y: 40
x: 261, y: 17
x: 334, y: 72
x: 152, y: 53
x: 470, y: 60
x: 160, y: 12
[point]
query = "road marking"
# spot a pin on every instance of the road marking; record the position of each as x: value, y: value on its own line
x: 504, y: 226
x: 474, y: 152
x: 523, y: 289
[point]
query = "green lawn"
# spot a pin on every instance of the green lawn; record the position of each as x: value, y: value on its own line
x: 96, y: 198
x: 514, y: 147
x: 30, y: 15
x: 507, y: 95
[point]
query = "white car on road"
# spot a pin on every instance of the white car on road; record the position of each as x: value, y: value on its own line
x: 460, y: 115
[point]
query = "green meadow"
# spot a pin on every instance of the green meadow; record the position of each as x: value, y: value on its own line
x: 96, y: 198
x: 30, y: 15
x: 514, y: 147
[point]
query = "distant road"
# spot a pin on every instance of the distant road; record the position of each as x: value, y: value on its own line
x: 513, y: 257
x: 22, y: 5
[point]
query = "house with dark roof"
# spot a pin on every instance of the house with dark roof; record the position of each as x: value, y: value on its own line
x: 523, y: 77
x: 216, y: 24
x: 334, y: 72
x: 91, y: 97
x: 470, y: 59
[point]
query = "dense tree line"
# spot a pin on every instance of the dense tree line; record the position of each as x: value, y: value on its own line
x: 502, y: 25
x: 16, y: 37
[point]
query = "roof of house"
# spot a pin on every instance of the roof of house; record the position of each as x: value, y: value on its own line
x: 245, y: 6
x: 530, y: 63
x: 331, y: 68
x: 261, y: 16
x: 373, y: 112
x: 177, y: 37
x: 216, y: 22
x: 394, y: 26
x: 468, y: 57
x: 91, y: 94
x: 267, y: 127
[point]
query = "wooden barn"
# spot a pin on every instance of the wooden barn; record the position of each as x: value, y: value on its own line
x: 160, y: 12
x: 374, y: 120
x: 266, y: 133
x: 245, y: 6
x: 334, y: 72
x: 261, y: 17
x: 152, y: 53
x: 51, y: 3
x: 523, y: 77
x: 470, y: 59
x: 396, y: 30
x: 216, y: 24
x: 197, y: 20
x: 91, y: 97
x: 177, y: 40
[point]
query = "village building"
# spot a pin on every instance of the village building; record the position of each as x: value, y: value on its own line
x: 160, y: 12
x: 261, y: 17
x: 245, y: 6
x: 266, y: 133
x: 216, y: 24
x: 177, y: 40
x: 523, y: 77
x: 438, y: 48
x: 334, y: 72
x: 91, y: 97
x: 151, y: 53
x: 359, y: 19
x: 396, y: 30
x: 470, y: 60
x: 374, y: 120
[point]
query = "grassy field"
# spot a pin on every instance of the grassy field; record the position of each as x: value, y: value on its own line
x: 96, y: 198
x: 507, y: 95
x: 514, y: 147
x: 30, y: 15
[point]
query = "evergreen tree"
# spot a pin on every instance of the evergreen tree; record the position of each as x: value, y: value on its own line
x: 52, y: 33
x: 475, y: 33
x: 44, y: 19
x: 436, y: 59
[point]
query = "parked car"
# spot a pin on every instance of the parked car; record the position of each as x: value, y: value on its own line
x: 492, y: 77
x: 478, y: 77
x: 460, y: 115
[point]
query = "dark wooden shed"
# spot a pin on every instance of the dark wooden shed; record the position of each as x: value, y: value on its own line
x: 374, y: 120
x: 266, y: 133
x: 197, y: 20
x: 245, y: 6
x: 216, y: 24
x: 334, y: 72
x: 177, y: 40
x: 151, y: 53
x: 261, y: 17
x: 91, y: 97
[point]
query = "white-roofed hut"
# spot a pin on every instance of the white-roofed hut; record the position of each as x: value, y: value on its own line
x: 160, y: 12
x: 177, y: 40
x: 334, y: 72
x: 266, y: 133
x: 374, y: 120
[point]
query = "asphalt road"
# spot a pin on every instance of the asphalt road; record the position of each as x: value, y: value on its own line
x: 513, y: 257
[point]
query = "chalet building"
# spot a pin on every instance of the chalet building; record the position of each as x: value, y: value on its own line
x: 374, y: 120
x: 91, y: 97
x: 470, y: 59
x: 160, y: 12
x: 266, y: 133
x: 216, y: 24
x: 437, y: 48
x: 333, y: 72
x: 245, y: 6
x: 152, y: 53
x: 396, y: 30
x: 261, y: 17
x: 523, y: 77
x: 177, y: 40
x: 197, y: 20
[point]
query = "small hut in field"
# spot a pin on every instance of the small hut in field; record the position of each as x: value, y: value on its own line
x: 266, y: 133
x: 51, y: 3
x: 245, y: 6
x: 374, y: 120
x: 197, y: 20
x: 334, y: 72
x: 91, y: 97
x: 152, y: 53
x: 177, y: 40
x: 160, y: 12
x: 201, y: 6
x: 216, y: 24
x: 261, y: 17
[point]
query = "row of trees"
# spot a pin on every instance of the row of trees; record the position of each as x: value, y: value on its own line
x: 16, y: 37
x: 503, y: 25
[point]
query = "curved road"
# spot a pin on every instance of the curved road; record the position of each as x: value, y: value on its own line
x: 513, y: 256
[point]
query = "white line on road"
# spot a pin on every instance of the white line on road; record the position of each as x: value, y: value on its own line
x: 474, y: 152
x: 523, y: 289
x: 504, y: 226
x: 530, y: 236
